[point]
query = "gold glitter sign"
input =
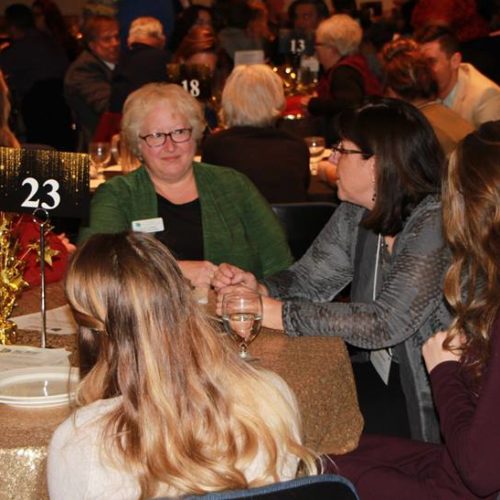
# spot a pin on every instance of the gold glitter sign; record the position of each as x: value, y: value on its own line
x: 55, y: 181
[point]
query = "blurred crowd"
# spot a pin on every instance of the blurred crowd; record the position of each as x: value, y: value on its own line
x: 79, y: 71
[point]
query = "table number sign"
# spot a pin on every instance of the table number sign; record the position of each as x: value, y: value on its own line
x: 295, y: 44
x: 50, y: 180
x: 194, y: 78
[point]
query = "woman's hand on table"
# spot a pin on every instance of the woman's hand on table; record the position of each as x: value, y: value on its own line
x: 199, y: 272
x: 434, y: 352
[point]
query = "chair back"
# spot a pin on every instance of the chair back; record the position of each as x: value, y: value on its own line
x: 329, y: 486
x: 303, y: 222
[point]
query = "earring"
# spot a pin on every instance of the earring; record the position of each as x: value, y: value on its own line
x: 374, y: 196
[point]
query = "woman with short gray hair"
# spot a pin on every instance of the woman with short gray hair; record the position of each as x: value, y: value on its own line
x: 347, y: 78
x: 275, y: 161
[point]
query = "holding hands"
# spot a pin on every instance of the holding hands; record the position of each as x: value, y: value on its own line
x: 228, y: 275
x: 229, y: 279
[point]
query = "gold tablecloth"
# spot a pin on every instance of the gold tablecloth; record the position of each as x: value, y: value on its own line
x: 316, y: 368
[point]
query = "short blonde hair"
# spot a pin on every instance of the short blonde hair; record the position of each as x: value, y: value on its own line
x: 145, y: 27
x: 143, y: 100
x: 253, y: 95
x: 341, y: 32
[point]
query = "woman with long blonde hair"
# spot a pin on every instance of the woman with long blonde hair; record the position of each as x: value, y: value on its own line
x: 464, y: 361
x: 166, y: 408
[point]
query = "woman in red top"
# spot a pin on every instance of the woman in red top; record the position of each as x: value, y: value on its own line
x: 347, y: 79
x: 464, y: 362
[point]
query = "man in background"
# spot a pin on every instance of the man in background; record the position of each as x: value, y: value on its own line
x: 145, y: 62
x: 461, y: 86
x: 87, y: 84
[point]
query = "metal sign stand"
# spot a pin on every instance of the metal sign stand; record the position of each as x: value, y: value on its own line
x: 41, y: 216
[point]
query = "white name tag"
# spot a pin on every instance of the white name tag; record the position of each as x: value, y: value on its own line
x: 154, y: 225
x: 381, y: 361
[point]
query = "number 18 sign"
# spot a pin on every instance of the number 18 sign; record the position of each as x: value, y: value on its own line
x: 57, y: 182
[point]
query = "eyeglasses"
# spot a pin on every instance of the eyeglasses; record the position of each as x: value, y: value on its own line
x: 157, y: 139
x: 338, y: 149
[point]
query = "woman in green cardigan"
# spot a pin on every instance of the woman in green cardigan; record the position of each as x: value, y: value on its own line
x: 204, y: 214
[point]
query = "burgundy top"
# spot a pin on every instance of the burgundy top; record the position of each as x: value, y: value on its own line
x: 345, y: 85
x: 371, y: 86
x: 466, y: 467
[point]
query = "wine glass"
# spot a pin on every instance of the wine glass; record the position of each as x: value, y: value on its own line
x: 242, y: 318
x: 316, y: 147
x: 100, y: 154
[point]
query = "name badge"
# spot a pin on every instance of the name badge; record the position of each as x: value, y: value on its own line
x: 154, y: 225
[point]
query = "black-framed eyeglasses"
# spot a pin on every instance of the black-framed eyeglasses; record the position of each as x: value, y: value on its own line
x: 337, y: 148
x: 157, y: 139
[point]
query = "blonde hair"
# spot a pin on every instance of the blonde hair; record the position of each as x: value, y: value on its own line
x: 471, y: 213
x: 145, y: 27
x: 341, y: 32
x: 192, y: 416
x: 145, y: 99
x: 253, y: 95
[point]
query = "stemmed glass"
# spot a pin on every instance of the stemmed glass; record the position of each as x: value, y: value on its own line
x: 100, y: 154
x: 316, y: 147
x: 242, y: 318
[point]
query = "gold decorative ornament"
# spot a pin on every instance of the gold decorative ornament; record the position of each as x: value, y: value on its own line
x: 12, y: 265
x: 11, y: 278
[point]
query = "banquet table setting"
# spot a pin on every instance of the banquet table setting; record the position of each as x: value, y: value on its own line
x: 317, y: 369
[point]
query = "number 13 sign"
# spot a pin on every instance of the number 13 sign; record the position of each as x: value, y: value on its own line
x: 57, y: 182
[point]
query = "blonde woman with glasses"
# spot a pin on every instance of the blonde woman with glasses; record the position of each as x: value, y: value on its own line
x: 203, y: 213
x: 165, y: 406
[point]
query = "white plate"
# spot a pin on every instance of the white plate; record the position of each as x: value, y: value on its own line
x: 38, y: 387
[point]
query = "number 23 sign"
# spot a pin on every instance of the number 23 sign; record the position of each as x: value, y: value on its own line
x: 57, y: 182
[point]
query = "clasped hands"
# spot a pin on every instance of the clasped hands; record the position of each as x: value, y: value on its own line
x: 227, y: 278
